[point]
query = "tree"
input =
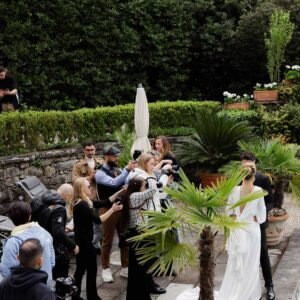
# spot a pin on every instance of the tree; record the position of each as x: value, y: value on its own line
x: 280, y: 34
x: 199, y: 210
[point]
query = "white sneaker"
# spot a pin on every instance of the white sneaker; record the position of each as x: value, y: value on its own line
x: 124, y: 272
x: 107, y: 276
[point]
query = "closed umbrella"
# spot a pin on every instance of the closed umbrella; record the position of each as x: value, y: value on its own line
x: 141, y: 121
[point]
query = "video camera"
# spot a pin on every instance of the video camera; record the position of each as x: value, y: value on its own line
x: 65, y: 287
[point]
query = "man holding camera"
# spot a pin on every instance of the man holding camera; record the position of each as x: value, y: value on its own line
x: 87, y: 167
x: 110, y: 180
x: 27, y: 281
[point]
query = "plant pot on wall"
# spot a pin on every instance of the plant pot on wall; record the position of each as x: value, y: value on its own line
x: 275, y: 229
x: 265, y: 96
x: 240, y: 105
x: 210, y: 179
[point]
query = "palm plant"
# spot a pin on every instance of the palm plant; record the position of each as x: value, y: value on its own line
x: 280, y: 162
x: 125, y: 137
x: 198, y: 210
x: 214, y: 142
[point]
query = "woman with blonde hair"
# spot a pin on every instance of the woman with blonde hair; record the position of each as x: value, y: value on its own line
x: 84, y: 217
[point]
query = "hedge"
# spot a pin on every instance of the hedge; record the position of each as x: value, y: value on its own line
x: 30, y: 131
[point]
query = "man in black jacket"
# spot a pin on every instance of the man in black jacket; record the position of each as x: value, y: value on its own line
x: 263, y: 182
x: 50, y: 212
x: 27, y: 282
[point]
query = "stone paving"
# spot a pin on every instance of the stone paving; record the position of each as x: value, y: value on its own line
x: 285, y: 261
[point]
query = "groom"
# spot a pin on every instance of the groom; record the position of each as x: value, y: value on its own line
x: 263, y: 182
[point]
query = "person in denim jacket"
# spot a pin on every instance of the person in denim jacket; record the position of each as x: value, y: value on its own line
x: 20, y: 214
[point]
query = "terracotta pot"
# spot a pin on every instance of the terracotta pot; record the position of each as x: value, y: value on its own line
x: 275, y: 229
x: 265, y: 96
x: 210, y: 179
x: 240, y: 105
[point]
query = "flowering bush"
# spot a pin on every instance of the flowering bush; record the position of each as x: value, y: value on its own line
x: 292, y: 73
x: 266, y: 86
x: 234, y: 98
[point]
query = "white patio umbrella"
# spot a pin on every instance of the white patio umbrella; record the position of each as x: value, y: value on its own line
x: 141, y: 121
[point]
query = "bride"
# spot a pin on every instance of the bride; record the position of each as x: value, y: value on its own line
x: 241, y: 279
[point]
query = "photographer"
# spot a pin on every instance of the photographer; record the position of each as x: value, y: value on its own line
x: 27, y: 282
x: 87, y: 167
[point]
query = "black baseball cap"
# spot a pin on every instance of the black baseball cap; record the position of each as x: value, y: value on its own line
x: 111, y: 150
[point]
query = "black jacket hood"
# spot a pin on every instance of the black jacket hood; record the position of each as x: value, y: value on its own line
x: 26, y: 278
x: 52, y: 198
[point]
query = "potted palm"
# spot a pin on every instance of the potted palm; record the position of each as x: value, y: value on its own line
x: 213, y: 144
x: 198, y: 210
x: 280, y: 162
x: 234, y: 101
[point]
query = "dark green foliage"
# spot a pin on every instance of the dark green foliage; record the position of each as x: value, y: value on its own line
x: 214, y: 142
x: 45, y: 130
x: 72, y: 54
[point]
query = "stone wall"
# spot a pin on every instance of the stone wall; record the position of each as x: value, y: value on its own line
x: 52, y: 167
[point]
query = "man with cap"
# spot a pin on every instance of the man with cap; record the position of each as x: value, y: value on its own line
x: 110, y: 180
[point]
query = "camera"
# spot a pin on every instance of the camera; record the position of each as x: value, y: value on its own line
x: 98, y: 166
x: 174, y: 172
x: 65, y: 287
x: 119, y: 200
x: 136, y: 154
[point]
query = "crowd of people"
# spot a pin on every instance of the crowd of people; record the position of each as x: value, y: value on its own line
x: 103, y: 199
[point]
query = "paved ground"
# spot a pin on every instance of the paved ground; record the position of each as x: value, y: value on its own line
x: 285, y: 261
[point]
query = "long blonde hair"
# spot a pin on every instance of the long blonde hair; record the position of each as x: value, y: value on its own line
x: 79, y: 194
x: 143, y: 160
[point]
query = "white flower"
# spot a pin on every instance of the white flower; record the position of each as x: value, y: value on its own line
x: 234, y: 95
x: 296, y: 67
x: 251, y: 96
x: 245, y: 95
x: 225, y: 94
x: 238, y: 97
x: 230, y: 95
x: 288, y: 67
x: 258, y: 85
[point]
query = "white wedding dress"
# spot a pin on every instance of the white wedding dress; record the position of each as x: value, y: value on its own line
x: 241, y: 280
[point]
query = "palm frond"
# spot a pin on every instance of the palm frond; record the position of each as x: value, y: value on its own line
x: 172, y: 255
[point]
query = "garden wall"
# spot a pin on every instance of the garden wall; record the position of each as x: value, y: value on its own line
x: 52, y: 167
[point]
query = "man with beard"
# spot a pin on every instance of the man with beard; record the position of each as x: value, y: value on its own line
x: 110, y: 180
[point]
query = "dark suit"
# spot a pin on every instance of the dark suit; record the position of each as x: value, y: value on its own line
x: 264, y: 182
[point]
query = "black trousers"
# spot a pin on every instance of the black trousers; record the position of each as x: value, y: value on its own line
x: 86, y: 260
x: 140, y: 282
x: 61, y: 268
x: 264, y: 258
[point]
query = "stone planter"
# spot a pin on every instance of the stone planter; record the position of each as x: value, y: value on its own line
x: 265, y: 96
x: 275, y: 229
x: 210, y: 179
x: 240, y: 105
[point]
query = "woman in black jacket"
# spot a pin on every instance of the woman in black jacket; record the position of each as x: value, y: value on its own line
x: 84, y: 217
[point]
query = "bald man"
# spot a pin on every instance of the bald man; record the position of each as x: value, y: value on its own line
x: 50, y: 212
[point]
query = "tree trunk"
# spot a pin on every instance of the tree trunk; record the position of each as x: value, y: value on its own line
x: 207, y: 264
x: 278, y: 193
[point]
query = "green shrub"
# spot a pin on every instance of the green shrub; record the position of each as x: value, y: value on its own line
x: 34, y: 130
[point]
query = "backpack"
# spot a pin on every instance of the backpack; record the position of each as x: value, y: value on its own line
x: 41, y: 212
